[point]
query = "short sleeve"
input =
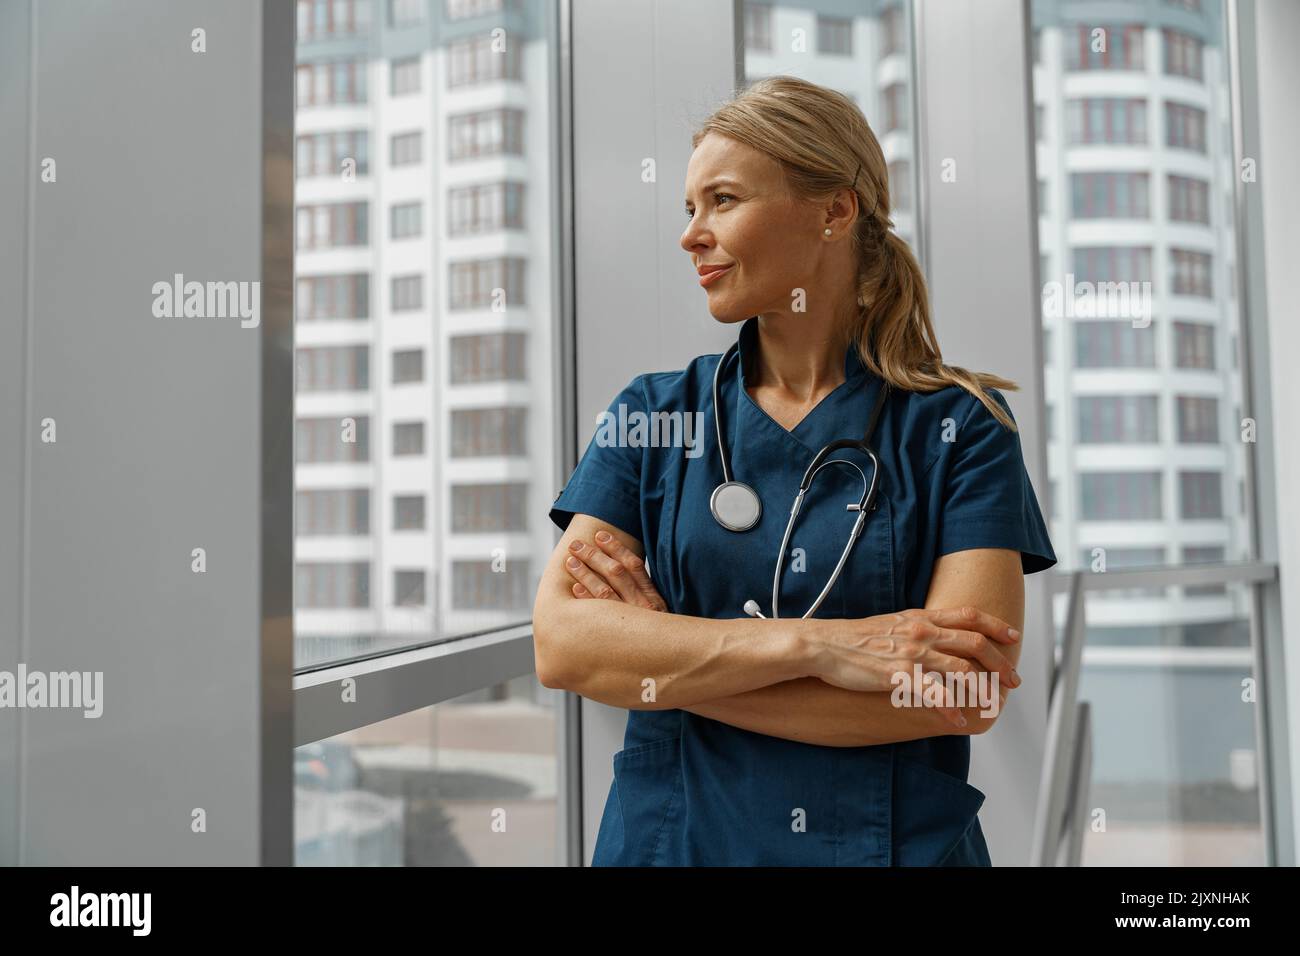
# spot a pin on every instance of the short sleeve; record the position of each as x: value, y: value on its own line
x: 607, y: 482
x: 988, y: 501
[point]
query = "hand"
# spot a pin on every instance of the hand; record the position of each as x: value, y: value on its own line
x: 866, y: 653
x: 612, y: 572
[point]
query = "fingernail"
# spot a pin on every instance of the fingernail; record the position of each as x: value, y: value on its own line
x: 1013, y: 632
x: 575, y: 545
x: 573, y: 563
x: 602, y: 536
x: 961, y: 721
x: 1015, y: 677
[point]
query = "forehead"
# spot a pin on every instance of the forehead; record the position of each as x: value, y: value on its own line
x: 720, y: 157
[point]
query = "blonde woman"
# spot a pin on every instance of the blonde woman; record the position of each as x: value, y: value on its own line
x: 759, y: 733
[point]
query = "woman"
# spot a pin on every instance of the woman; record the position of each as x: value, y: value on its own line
x: 777, y: 741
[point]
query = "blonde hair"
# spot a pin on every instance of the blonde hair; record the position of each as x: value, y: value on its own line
x: 821, y: 140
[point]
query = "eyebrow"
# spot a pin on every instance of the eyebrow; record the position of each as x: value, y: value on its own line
x: 715, y: 184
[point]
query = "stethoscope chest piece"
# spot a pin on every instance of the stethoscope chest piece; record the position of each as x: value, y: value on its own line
x: 735, y: 506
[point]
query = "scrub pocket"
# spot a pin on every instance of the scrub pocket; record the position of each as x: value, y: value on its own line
x: 648, y: 785
x: 936, y: 820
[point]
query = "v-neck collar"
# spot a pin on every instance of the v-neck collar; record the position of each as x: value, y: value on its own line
x: 855, y: 373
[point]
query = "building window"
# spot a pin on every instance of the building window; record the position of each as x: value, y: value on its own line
x: 1112, y: 264
x: 332, y: 584
x: 331, y: 225
x: 1119, y: 495
x: 758, y: 27
x: 1113, y: 344
x: 476, y: 587
x: 1198, y: 419
x: 331, y: 83
x: 1191, y: 272
x: 480, y: 432
x: 893, y: 30
x: 337, y: 368
x: 485, y: 283
x: 1189, y: 199
x: 1200, y: 494
x: 900, y: 184
x: 463, y: 9
x: 490, y: 357
x: 1127, y: 559
x: 408, y: 512
x: 1109, y: 120
x: 1184, y: 126
x: 1103, y: 48
x: 1194, y: 345
x: 324, y: 154
x: 1182, y: 54
x: 332, y: 439
x: 407, y: 293
x: 408, y: 366
x: 332, y: 511
x: 404, y: 76
x: 408, y: 438
x: 486, y: 207
x: 834, y: 36
x: 895, y: 102
x: 327, y: 19
x: 1119, y: 419
x: 1204, y: 554
x: 408, y: 588
x: 496, y: 507
x: 332, y: 297
x: 486, y: 133
x: 1110, y: 196
x: 405, y: 148
x: 404, y: 13
x: 473, y: 61
x: 405, y: 220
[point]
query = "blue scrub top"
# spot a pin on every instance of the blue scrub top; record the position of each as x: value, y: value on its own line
x: 689, y: 790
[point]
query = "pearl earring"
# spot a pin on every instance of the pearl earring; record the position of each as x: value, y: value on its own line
x: 828, y: 230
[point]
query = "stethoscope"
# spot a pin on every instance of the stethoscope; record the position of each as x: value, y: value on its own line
x: 737, y: 507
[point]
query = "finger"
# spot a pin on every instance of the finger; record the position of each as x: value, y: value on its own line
x: 977, y: 647
x: 635, y: 566
x: 589, y: 579
x: 970, y: 618
x: 949, y: 709
x: 610, y: 571
x: 580, y: 592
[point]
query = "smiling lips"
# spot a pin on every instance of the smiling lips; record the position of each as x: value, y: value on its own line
x: 711, y: 274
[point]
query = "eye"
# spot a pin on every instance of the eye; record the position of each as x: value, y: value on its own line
x: 717, y: 196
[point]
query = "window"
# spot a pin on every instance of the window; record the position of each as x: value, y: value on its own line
x: 339, y: 368
x: 407, y: 293
x: 1204, y: 554
x: 494, y: 507
x: 1119, y: 495
x: 404, y: 76
x: 1191, y: 272
x: 486, y: 283
x: 403, y: 13
x: 331, y: 225
x: 345, y: 296
x: 1120, y: 121
x: 331, y: 83
x: 1198, y: 419
x: 405, y: 148
x: 408, y: 512
x: 1184, y: 126
x: 485, y: 207
x: 476, y: 586
x: 327, y: 19
x: 1182, y: 54
x: 408, y: 366
x: 490, y: 357
x: 893, y: 30
x: 332, y: 438
x: 475, y: 61
x: 324, y: 154
x: 480, y: 432
x: 900, y: 185
x: 408, y: 588
x: 1113, y: 344
x: 1042, y: 197
x: 895, y: 103
x: 486, y: 133
x: 1110, y: 196
x: 332, y: 584
x: 1112, y: 264
x: 1194, y: 345
x: 1103, y: 47
x: 405, y: 220
x: 1117, y: 419
x: 408, y: 438
x: 758, y: 27
x: 1200, y: 494
x: 332, y: 511
x: 1189, y: 199
x: 462, y: 9
x: 834, y: 36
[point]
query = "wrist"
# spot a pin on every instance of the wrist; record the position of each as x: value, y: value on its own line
x: 807, y: 640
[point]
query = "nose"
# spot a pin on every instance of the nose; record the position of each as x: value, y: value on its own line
x: 693, y: 237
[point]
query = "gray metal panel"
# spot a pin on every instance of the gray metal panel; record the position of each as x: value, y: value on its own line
x: 160, y: 171
x: 639, y: 307
x: 980, y: 235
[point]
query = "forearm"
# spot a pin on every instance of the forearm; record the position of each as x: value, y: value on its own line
x: 639, y: 659
x: 811, y: 711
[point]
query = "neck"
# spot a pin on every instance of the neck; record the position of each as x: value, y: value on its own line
x: 802, y: 358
